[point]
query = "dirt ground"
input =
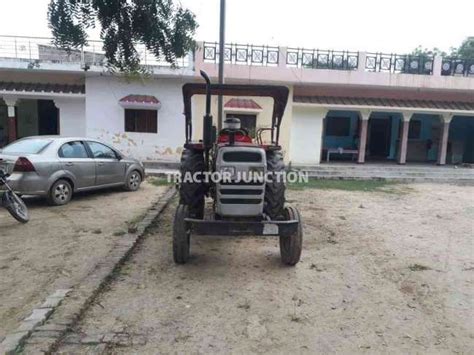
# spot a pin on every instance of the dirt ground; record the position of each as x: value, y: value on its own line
x: 380, y: 272
x: 60, y: 245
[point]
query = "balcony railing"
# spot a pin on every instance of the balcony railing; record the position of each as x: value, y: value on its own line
x: 396, y: 63
x: 322, y: 59
x: 36, y: 50
x: 243, y: 54
x: 457, y: 66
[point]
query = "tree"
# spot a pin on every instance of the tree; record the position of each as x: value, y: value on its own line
x: 420, y: 51
x: 164, y: 28
x: 466, y: 50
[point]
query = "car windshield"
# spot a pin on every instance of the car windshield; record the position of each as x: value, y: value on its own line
x: 27, y: 146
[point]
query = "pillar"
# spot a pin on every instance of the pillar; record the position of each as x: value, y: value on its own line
x: 402, y: 149
x: 282, y: 57
x: 437, y: 65
x: 362, y: 62
x: 443, y: 139
x: 364, y: 122
x: 12, y: 120
x: 198, y: 58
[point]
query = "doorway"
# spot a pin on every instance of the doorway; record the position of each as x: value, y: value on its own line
x: 48, y: 122
x: 379, y: 138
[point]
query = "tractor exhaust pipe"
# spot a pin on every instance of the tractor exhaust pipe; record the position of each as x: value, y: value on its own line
x: 207, y: 136
x: 207, y: 124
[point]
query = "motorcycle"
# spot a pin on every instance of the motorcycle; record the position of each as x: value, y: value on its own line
x: 11, y: 201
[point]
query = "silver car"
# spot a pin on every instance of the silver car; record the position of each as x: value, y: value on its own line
x: 56, y: 167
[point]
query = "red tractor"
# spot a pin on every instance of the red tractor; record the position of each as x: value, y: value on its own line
x: 241, y: 205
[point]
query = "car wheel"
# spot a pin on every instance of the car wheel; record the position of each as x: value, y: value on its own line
x: 60, y: 193
x: 134, y: 180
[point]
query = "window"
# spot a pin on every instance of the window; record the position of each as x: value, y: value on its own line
x: 414, y: 130
x: 101, y: 151
x: 338, y: 126
x: 145, y: 121
x: 249, y: 122
x: 73, y: 150
x: 27, y: 146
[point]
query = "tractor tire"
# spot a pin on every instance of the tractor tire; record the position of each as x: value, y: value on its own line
x: 274, y: 203
x: 291, y: 245
x: 192, y: 194
x: 181, y: 236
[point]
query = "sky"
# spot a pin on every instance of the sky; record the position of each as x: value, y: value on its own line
x: 363, y: 25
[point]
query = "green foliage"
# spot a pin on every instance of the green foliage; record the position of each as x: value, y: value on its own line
x: 346, y: 185
x: 165, y: 29
x: 420, y: 51
x: 159, y: 181
x: 465, y: 51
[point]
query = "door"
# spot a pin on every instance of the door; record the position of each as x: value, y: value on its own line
x: 74, y: 158
x: 109, y: 168
x: 379, y: 143
x: 48, y: 122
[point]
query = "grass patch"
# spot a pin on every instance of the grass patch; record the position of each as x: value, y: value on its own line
x: 159, y: 181
x: 347, y: 185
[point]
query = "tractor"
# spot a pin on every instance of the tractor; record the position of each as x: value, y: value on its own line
x: 249, y: 197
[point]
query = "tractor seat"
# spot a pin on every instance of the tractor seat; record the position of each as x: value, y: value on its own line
x: 241, y: 136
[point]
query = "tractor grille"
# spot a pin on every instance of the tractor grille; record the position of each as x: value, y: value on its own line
x: 242, y: 182
x: 240, y: 201
x: 240, y: 192
x: 241, y: 196
x: 242, y: 157
x: 244, y: 194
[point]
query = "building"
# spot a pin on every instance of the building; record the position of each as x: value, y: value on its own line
x: 351, y: 106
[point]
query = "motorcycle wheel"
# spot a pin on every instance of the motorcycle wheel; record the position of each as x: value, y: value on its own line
x: 15, y: 205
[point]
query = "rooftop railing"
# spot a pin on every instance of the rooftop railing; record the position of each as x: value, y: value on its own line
x: 243, y: 54
x: 457, y: 66
x: 396, y: 63
x: 322, y: 59
x: 36, y: 50
x: 262, y: 55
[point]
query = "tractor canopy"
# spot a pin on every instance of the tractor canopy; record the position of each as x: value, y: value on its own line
x: 278, y: 93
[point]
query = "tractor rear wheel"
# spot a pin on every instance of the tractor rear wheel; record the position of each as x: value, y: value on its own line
x: 181, y: 236
x: 191, y: 193
x: 291, y: 245
x: 275, y: 189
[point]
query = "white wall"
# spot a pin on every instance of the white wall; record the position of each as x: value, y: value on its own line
x: 306, y: 134
x: 72, y: 116
x: 105, y: 118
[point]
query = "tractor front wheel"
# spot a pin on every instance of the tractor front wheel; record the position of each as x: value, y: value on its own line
x: 192, y: 193
x: 181, y: 236
x: 291, y: 245
x: 275, y: 187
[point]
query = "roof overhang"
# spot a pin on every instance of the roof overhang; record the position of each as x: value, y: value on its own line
x: 385, y: 105
x: 242, y: 105
x: 140, y: 102
x: 39, y: 90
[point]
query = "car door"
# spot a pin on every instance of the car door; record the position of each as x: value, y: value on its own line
x: 74, y: 159
x: 109, y: 168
